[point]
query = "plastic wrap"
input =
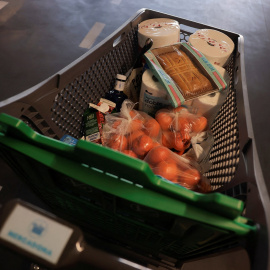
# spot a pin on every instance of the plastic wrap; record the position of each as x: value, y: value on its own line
x: 132, y: 132
x: 179, y: 126
x: 184, y: 72
x: 177, y: 169
x: 161, y: 142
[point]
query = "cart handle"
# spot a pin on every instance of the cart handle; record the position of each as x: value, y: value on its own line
x: 120, y: 167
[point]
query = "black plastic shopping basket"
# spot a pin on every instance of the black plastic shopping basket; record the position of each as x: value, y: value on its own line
x: 117, y: 199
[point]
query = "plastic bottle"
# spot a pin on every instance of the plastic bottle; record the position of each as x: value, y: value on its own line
x: 117, y: 95
x: 153, y: 95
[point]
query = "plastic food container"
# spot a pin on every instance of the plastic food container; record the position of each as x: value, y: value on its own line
x: 117, y: 199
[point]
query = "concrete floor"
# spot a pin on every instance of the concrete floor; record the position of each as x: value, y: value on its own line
x: 39, y: 38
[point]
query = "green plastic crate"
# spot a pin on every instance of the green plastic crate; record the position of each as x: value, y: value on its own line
x: 109, y: 195
x: 117, y: 197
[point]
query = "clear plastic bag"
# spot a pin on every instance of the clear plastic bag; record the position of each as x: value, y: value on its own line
x: 177, y: 169
x: 179, y: 126
x: 132, y: 132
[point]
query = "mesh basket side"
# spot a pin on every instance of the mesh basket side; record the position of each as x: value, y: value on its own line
x: 225, y: 153
x: 72, y: 100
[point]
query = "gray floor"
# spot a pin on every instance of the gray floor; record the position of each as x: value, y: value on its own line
x: 38, y: 38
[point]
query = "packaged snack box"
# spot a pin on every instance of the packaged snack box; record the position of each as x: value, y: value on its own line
x: 184, y: 72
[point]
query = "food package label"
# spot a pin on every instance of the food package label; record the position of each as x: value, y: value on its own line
x: 94, y: 119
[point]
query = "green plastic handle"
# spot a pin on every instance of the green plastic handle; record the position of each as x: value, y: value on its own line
x: 120, y: 166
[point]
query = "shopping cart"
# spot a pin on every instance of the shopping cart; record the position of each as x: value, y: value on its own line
x: 119, y: 200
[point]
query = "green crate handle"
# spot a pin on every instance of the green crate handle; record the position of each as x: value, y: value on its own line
x: 121, y: 166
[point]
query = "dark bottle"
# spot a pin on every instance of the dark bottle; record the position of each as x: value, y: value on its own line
x: 117, y: 95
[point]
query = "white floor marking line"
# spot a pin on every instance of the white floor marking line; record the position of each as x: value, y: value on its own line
x: 116, y: 2
x: 91, y: 36
x: 3, y: 4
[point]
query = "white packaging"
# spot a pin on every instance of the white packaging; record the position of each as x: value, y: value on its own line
x: 215, y: 46
x: 209, y: 105
x: 153, y: 95
x: 162, y: 31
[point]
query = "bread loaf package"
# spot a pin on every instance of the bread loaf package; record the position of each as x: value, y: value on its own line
x: 184, y: 72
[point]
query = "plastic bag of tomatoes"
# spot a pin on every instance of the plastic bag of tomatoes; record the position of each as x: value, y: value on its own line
x: 160, y: 142
x: 180, y: 128
x: 177, y: 169
x: 131, y: 132
x: 186, y: 133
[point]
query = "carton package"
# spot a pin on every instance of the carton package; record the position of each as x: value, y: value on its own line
x: 184, y: 72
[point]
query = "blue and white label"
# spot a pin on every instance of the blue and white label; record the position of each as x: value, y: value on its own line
x: 151, y: 104
x: 36, y: 234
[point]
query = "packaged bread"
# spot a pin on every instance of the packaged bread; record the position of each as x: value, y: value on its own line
x: 184, y: 72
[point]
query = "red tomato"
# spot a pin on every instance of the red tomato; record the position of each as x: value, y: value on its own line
x: 158, y: 154
x: 132, y: 136
x: 152, y: 128
x: 164, y: 119
x: 118, y: 142
x: 183, y: 125
x: 167, y: 170
x: 190, y: 178
x: 199, y: 124
x: 142, y: 145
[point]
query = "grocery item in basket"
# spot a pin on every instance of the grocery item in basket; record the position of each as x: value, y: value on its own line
x: 134, y: 75
x: 153, y: 96
x: 209, y: 105
x: 215, y: 45
x: 94, y: 119
x: 117, y: 95
x: 179, y: 126
x: 69, y: 140
x: 162, y: 31
x: 184, y: 72
x: 176, y: 169
x: 131, y: 132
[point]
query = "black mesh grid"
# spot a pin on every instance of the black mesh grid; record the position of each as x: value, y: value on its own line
x: 225, y: 153
x: 72, y: 100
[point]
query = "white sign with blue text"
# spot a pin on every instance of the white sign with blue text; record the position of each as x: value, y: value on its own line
x: 36, y: 234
